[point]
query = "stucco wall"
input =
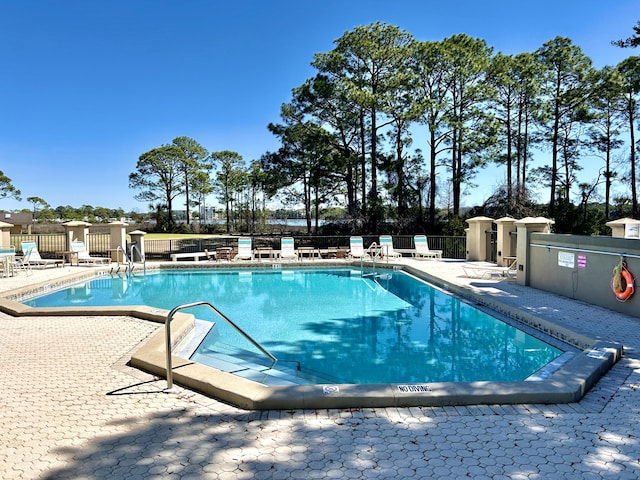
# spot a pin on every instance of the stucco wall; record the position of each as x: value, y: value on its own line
x: 581, y: 267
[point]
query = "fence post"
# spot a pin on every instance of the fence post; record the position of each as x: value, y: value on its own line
x: 118, y: 239
x: 624, y: 228
x: 137, y: 237
x: 477, y: 239
x: 526, y: 227
x: 77, y: 231
x: 506, y: 225
x: 5, y: 234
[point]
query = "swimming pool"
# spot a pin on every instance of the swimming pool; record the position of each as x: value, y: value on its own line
x: 564, y: 380
x: 332, y: 325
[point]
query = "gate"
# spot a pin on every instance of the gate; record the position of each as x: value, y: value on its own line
x: 492, y: 246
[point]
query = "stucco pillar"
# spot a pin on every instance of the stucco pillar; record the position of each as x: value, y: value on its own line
x: 477, y: 238
x: 77, y: 231
x: 117, y: 239
x: 5, y: 234
x: 506, y: 248
x: 625, y: 228
x: 525, y: 228
x: 137, y: 238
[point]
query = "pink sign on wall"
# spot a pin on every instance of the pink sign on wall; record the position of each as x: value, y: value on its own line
x: 582, y: 261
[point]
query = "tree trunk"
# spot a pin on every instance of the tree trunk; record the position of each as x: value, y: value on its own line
x: 227, y: 209
x: 307, y: 202
x: 432, y: 180
x: 554, y: 149
x: 351, y: 190
x: 186, y: 193
x: 509, y: 160
x: 401, y: 204
x: 525, y: 152
x: 363, y: 166
x: 456, y: 170
x: 634, y: 193
x: 519, y: 152
x: 374, y: 172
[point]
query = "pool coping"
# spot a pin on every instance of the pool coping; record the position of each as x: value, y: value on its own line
x: 567, y: 384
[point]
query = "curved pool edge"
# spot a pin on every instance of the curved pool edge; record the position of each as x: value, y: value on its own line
x: 568, y: 384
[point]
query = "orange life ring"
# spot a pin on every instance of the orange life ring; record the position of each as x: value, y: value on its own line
x: 624, y: 295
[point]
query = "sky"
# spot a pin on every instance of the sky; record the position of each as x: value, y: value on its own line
x: 87, y: 86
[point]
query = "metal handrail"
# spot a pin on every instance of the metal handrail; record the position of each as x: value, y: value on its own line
x: 140, y: 254
x: 584, y: 250
x: 167, y: 326
x: 124, y: 254
x: 128, y: 259
x: 125, y: 259
x: 372, y: 257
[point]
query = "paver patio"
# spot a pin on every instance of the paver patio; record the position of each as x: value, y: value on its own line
x: 73, y: 409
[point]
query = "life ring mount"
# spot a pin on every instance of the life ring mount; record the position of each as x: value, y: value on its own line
x: 622, y: 285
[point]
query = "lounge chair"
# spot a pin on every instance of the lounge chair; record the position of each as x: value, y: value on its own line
x: 35, y: 260
x: 22, y: 263
x: 287, y: 249
x: 245, y: 251
x: 356, y: 248
x: 84, y: 257
x: 422, y: 250
x: 386, y: 248
x: 472, y: 270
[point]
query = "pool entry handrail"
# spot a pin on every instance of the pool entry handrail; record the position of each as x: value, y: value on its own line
x: 167, y: 327
x: 133, y: 248
x: 372, y: 252
x: 128, y: 259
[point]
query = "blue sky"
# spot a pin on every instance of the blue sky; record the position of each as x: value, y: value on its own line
x: 87, y: 86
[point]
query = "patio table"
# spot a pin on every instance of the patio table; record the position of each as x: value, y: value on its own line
x: 311, y: 252
x: 8, y: 260
x: 259, y: 251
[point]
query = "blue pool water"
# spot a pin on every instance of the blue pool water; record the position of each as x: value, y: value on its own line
x: 338, y: 325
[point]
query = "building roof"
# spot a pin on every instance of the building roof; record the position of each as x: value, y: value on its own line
x: 16, y: 218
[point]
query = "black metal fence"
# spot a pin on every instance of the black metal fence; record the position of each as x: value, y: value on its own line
x: 49, y: 245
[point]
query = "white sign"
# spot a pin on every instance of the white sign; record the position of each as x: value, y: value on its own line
x: 595, y: 353
x: 414, y: 388
x: 566, y: 259
x: 631, y: 230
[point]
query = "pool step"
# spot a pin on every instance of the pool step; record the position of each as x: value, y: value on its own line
x: 245, y: 368
x: 546, y: 371
x: 237, y: 364
x: 192, y: 341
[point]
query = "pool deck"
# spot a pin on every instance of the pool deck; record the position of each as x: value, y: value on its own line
x: 108, y: 420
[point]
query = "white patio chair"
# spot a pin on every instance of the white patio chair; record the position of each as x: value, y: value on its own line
x: 83, y: 255
x: 386, y: 248
x: 356, y: 248
x: 422, y: 250
x: 35, y: 260
x: 287, y: 249
x: 245, y: 252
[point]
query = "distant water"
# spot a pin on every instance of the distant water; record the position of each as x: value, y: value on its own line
x: 294, y: 222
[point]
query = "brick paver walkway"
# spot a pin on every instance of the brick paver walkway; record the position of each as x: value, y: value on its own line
x: 72, y: 409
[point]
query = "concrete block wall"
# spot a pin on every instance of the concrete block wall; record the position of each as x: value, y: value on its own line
x: 581, y: 267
